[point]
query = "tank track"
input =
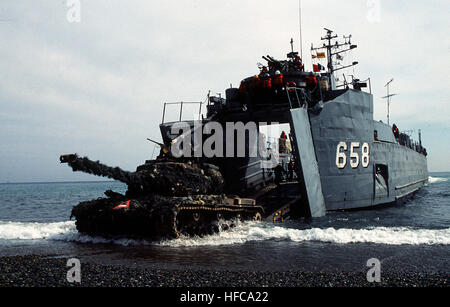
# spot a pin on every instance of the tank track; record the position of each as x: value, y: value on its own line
x: 161, y: 217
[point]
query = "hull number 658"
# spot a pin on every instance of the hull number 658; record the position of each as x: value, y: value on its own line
x: 358, y: 155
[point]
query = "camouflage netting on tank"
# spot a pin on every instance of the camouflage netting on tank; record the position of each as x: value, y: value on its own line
x: 164, y: 178
x: 96, y: 168
x: 176, y: 179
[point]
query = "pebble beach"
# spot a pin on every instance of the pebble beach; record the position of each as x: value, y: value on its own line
x: 41, y: 271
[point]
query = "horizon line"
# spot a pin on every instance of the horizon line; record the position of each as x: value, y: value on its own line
x: 86, y: 181
x: 44, y: 182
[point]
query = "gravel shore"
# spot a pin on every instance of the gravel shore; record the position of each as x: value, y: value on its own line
x: 38, y: 271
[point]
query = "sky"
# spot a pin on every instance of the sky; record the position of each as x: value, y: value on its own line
x: 92, y: 78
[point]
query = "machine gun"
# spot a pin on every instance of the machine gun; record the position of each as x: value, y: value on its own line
x: 273, y: 63
x: 164, y: 150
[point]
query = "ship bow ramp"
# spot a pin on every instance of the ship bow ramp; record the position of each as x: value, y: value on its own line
x: 304, y: 150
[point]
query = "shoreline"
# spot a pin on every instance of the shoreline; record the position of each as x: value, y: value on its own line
x: 48, y: 271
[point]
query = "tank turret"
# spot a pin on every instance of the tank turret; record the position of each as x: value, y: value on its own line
x: 156, y: 177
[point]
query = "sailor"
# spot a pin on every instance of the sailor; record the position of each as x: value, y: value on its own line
x: 243, y: 87
x: 267, y: 81
x: 298, y: 65
x: 282, y: 143
x: 278, y: 175
x: 256, y: 82
x: 395, y: 131
x: 291, y: 168
x: 311, y: 81
x: 264, y: 71
x: 277, y: 82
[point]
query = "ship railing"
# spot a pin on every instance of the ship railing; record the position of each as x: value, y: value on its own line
x: 181, y: 104
x: 296, y: 97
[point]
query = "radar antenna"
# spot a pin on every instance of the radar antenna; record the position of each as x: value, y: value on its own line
x: 388, y: 98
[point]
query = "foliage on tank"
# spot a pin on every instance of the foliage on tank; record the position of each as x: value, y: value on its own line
x: 158, y: 177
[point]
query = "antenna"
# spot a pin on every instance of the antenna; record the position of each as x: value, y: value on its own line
x: 300, y: 21
x: 388, y: 97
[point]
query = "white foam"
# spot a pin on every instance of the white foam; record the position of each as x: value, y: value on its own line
x: 436, y: 179
x: 262, y: 232
x: 80, y: 238
x: 60, y: 231
x: 34, y: 231
x: 245, y: 232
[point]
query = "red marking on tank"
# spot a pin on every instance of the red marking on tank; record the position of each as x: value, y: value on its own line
x: 124, y: 205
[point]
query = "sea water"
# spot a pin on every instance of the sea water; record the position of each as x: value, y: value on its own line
x: 35, y: 219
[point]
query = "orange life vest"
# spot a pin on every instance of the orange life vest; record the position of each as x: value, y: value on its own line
x: 278, y: 80
x: 267, y: 83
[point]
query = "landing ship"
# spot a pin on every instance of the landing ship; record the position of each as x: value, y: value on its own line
x: 219, y: 168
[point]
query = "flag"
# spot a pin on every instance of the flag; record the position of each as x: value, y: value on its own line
x: 316, y: 68
x: 321, y: 55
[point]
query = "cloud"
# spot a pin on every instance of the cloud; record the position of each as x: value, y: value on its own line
x: 97, y: 87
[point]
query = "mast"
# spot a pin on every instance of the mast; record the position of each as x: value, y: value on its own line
x: 300, y: 21
x: 329, y: 47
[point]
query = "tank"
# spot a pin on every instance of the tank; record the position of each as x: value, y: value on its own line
x: 165, y: 199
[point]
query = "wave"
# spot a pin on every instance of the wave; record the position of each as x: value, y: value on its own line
x: 436, y: 179
x: 59, y: 231
x: 80, y: 238
x: 243, y: 233
x: 262, y: 232
x: 34, y: 231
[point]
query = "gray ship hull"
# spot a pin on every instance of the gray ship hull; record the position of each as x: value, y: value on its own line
x: 342, y: 165
x: 371, y: 172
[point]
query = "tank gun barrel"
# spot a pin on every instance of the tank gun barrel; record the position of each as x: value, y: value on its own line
x: 96, y: 168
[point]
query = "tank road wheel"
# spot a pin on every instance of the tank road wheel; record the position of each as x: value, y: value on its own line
x: 196, y: 217
x: 257, y: 217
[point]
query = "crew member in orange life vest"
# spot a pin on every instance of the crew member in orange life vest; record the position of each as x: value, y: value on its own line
x: 277, y: 82
x: 256, y: 82
x: 311, y: 82
x: 267, y: 81
x: 395, y: 131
